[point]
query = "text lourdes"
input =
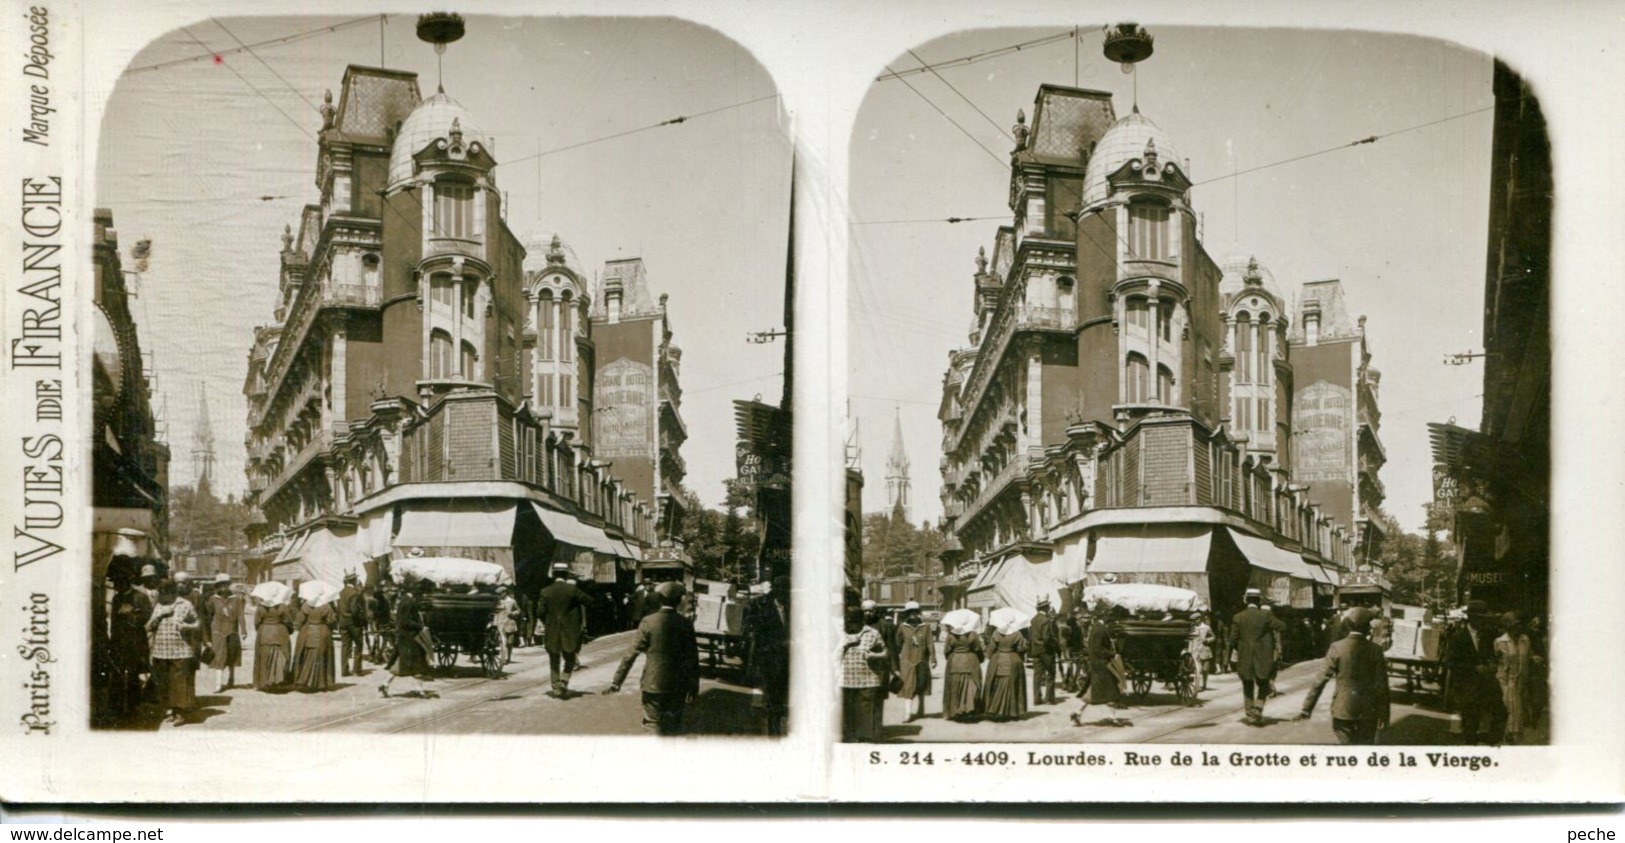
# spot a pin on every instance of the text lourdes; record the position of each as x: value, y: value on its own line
x: 37, y: 344
x: 37, y: 65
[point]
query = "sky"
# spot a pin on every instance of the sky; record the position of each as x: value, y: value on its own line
x: 1402, y: 221
x: 211, y: 159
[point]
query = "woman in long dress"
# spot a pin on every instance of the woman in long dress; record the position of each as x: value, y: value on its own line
x: 916, y: 658
x: 411, y: 659
x: 1006, y: 697
x: 313, y: 668
x: 1516, y: 669
x: 226, y: 628
x: 273, y: 651
x: 173, y: 627
x: 962, y: 683
x: 1105, y: 687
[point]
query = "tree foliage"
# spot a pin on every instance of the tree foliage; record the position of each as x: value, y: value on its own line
x: 723, y: 544
x: 893, y: 547
x: 1421, y: 568
x: 200, y: 521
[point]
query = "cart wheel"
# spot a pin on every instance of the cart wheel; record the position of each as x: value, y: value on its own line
x: 1185, y: 684
x: 1141, y: 686
x: 491, y: 653
x: 446, y: 655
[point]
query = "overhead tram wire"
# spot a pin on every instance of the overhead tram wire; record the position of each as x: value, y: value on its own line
x: 255, y: 89
x: 950, y: 220
x: 673, y: 121
x: 286, y: 39
x: 297, y: 92
x: 990, y: 122
x: 1360, y: 142
x: 976, y: 57
x: 966, y: 132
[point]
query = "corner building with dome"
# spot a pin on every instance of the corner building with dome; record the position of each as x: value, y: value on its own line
x: 426, y: 381
x: 1122, y: 411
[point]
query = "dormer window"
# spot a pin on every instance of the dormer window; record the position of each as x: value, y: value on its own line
x: 612, y: 304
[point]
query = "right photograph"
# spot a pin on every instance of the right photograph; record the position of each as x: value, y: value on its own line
x: 1199, y: 392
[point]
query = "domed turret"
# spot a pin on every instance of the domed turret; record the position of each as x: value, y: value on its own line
x: 1127, y: 139
x: 437, y: 118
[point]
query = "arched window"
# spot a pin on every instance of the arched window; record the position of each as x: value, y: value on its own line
x: 1165, y: 319
x: 1244, y: 348
x: 471, y: 288
x: 1165, y: 385
x: 567, y: 335
x: 1137, y: 313
x: 1263, y: 348
x: 440, y: 355
x: 470, y: 362
x: 440, y: 289
x: 1135, y: 378
x: 544, y: 326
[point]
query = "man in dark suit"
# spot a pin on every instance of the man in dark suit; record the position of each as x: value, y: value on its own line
x: 352, y: 608
x: 1255, y: 643
x: 1043, y: 645
x: 1475, y: 693
x: 671, y: 672
x: 1360, y: 702
x: 563, y: 608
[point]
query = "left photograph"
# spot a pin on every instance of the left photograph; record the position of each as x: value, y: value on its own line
x: 442, y: 380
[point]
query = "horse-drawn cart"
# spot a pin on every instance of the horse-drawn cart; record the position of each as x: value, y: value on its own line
x: 459, y: 611
x: 1154, y: 642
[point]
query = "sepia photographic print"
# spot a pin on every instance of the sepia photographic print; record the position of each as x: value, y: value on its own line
x: 414, y: 411
x: 1234, y: 427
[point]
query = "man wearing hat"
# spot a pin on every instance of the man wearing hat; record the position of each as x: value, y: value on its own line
x: 1475, y: 694
x: 1255, y: 641
x: 671, y: 672
x: 1043, y: 646
x: 1360, y: 702
x: 352, y: 607
x: 563, y: 608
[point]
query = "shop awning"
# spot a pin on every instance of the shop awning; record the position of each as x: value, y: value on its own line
x: 1022, y: 583
x: 112, y: 519
x: 1263, y: 553
x: 1318, y: 573
x: 290, y: 550
x: 565, y: 528
x: 458, y: 523
x: 372, y: 539
x: 319, y: 554
x: 1154, y: 549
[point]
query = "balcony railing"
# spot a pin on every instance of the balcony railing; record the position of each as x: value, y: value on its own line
x: 319, y: 444
x: 996, y: 486
x: 1046, y: 318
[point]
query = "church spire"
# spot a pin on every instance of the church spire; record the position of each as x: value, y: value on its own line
x: 897, y: 482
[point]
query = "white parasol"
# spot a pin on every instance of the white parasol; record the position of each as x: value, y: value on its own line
x: 272, y: 593
x: 316, y: 593
x: 961, y: 621
x: 450, y: 570
x: 1008, y: 619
